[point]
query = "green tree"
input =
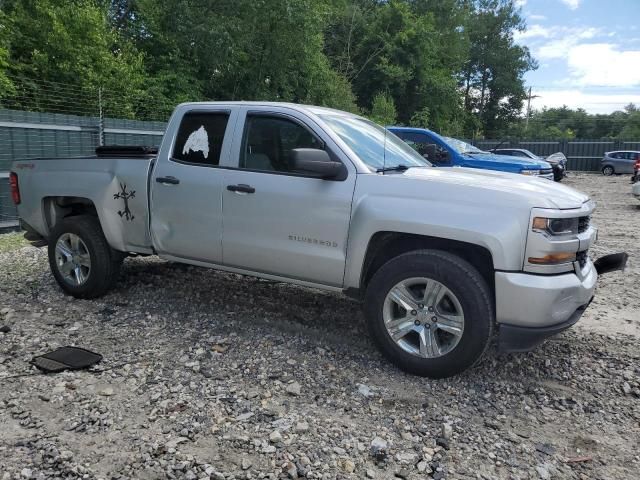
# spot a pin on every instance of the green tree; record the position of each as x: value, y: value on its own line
x: 492, y: 76
x: 71, y: 47
x: 383, y: 109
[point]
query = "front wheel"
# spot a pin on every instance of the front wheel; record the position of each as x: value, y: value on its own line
x: 430, y: 313
x: 81, y: 260
x: 608, y: 170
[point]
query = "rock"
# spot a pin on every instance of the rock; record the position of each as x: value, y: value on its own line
x: 365, y: 391
x: 442, y: 442
x: 302, y: 427
x: 422, y: 466
x: 543, y: 472
x: 626, y: 388
x: 174, y: 442
x: 339, y: 451
x: 379, y: 448
x: 407, y: 458
x: 5, y: 329
x: 447, y: 431
x: 66, y: 455
x: 106, y: 392
x: 294, y: 389
x: 275, y: 436
x: 244, y: 417
x: 291, y: 470
x: 545, y: 448
x: 26, y: 473
x: 246, y: 463
x: 268, y: 449
x: 347, y: 465
x: 370, y: 473
x: 190, y: 475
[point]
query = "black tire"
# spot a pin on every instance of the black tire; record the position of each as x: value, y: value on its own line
x: 105, y: 262
x: 608, y: 170
x: 463, y: 280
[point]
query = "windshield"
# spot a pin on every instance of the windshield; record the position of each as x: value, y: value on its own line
x: 368, y: 142
x: 460, y: 146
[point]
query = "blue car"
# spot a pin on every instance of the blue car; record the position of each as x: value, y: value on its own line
x: 450, y: 152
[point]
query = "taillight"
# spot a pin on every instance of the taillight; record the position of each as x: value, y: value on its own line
x: 15, y: 189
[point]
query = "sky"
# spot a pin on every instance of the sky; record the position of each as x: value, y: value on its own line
x: 588, y: 53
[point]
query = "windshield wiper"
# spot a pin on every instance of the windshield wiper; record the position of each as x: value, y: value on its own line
x: 468, y: 152
x: 397, y: 168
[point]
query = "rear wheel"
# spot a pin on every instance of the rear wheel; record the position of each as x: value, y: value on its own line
x: 81, y: 260
x: 429, y: 312
x: 608, y: 170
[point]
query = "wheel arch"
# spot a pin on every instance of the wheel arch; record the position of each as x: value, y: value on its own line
x: 56, y: 208
x: 385, y: 245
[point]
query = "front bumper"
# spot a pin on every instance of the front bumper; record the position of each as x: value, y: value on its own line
x: 530, y: 308
x: 513, y: 338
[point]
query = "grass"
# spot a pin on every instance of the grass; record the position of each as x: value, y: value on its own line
x: 10, y: 242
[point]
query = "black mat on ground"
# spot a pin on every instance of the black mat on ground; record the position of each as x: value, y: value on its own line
x: 66, y: 358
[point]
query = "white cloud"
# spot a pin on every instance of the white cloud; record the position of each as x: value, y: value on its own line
x: 537, y: 17
x: 591, y: 102
x: 572, y: 4
x: 561, y: 40
x: 520, y: 3
x: 532, y: 32
x: 604, y: 64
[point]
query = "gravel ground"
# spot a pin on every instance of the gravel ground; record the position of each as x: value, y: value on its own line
x: 211, y: 375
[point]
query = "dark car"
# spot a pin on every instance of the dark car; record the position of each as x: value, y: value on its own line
x: 557, y: 160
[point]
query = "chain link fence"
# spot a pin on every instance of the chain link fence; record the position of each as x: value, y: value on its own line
x: 42, y: 119
x: 50, y: 119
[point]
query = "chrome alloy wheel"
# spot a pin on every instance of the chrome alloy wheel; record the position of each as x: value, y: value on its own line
x: 73, y: 259
x: 423, y: 317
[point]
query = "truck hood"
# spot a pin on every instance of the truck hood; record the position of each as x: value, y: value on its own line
x: 487, y: 159
x: 538, y: 192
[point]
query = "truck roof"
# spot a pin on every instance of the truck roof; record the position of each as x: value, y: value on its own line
x: 317, y: 110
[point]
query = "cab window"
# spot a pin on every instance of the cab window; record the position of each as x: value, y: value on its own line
x: 268, y: 141
x: 200, y: 136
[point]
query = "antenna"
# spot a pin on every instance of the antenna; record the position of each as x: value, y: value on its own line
x: 384, y: 150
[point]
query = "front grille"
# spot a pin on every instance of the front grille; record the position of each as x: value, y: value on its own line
x: 583, y: 224
x: 546, y: 171
x: 582, y: 257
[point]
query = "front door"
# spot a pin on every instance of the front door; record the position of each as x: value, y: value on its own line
x: 279, y: 222
x: 186, y: 187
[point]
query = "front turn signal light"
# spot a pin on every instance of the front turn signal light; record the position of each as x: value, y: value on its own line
x: 553, y: 259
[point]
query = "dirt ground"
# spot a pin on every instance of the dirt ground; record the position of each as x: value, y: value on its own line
x: 212, y: 375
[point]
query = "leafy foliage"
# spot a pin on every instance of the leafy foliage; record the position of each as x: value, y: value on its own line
x: 383, y: 109
x: 450, y: 65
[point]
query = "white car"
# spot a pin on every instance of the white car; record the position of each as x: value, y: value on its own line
x: 635, y: 190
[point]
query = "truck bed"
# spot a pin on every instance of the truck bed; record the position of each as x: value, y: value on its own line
x: 117, y: 186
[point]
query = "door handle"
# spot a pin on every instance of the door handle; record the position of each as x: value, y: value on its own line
x: 168, y: 180
x: 241, y: 188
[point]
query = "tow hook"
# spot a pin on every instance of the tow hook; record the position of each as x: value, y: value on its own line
x: 611, y: 263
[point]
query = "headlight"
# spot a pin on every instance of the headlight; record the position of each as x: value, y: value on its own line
x: 556, y: 226
x: 530, y: 172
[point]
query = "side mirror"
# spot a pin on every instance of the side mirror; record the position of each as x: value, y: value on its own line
x: 314, y: 162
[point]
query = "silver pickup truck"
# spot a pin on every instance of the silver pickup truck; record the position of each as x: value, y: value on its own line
x: 441, y: 258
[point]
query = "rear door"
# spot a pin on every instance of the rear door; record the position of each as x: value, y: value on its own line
x: 187, y: 184
x: 277, y: 221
